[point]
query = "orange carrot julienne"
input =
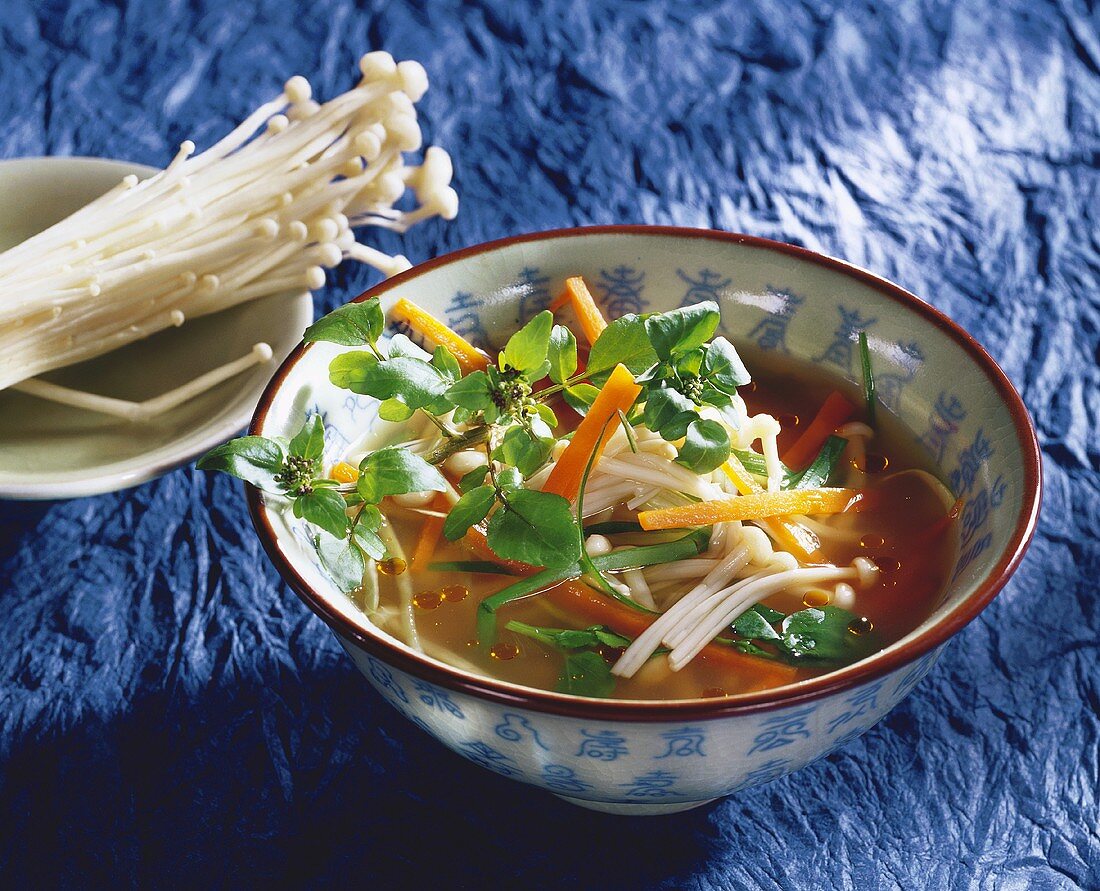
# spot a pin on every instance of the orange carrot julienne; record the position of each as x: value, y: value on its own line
x: 469, y: 357
x: 593, y: 432
x: 428, y: 541
x: 578, y: 600
x: 343, y: 472
x: 795, y: 539
x: 757, y: 506
x: 833, y: 412
x: 584, y: 305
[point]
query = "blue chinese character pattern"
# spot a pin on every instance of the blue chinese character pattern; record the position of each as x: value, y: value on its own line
x: 944, y: 421
x: 620, y: 290
x: 488, y: 757
x: 533, y: 291
x: 655, y: 784
x: 563, y: 779
x: 889, y: 384
x: 703, y: 285
x: 438, y: 699
x: 842, y: 348
x: 602, y: 745
x: 862, y: 703
x: 782, y: 730
x: 384, y: 678
x: 515, y: 727
x: 770, y: 333
x: 463, y: 317
x: 684, y: 742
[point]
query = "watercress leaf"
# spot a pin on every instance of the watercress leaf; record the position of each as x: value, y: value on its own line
x: 624, y: 341
x: 586, y: 674
x: 473, y: 479
x: 470, y: 509
x: 395, y: 471
x: 372, y: 545
x: 706, y: 446
x: 770, y: 615
x: 562, y: 354
x: 539, y: 428
x: 446, y: 364
x: 309, y: 442
x: 535, y: 527
x: 754, y: 625
x: 402, y: 347
x: 689, y: 364
x: 254, y: 459
x: 823, y: 634
x: 547, y: 414
x: 580, y: 397
x: 416, y: 382
x: 509, y: 478
x: 472, y: 392
x: 668, y: 412
x: 369, y: 518
x: 713, y: 396
x: 356, y: 324
x: 395, y: 410
x: 342, y: 560
x: 569, y: 639
x: 324, y: 508
x: 819, y: 471
x: 682, y: 330
x: 526, y: 349
x: 348, y: 371
x: 723, y: 368
x: 609, y: 638
x: 521, y: 450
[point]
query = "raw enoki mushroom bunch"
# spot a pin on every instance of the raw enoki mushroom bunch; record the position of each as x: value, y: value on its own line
x: 264, y: 211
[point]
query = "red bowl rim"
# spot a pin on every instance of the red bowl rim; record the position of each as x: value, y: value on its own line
x: 689, y: 709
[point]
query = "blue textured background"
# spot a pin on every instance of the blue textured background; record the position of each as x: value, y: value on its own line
x: 170, y: 712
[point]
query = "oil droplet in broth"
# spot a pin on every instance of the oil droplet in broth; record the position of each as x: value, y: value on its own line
x: 862, y: 625
x: 427, y: 599
x: 455, y: 593
x: 872, y: 541
x: 877, y: 463
x: 504, y: 651
x: 816, y: 598
x: 392, y: 566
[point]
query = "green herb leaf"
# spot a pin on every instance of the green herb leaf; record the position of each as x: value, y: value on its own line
x: 472, y: 392
x: 395, y: 411
x: 723, y: 368
x: 868, y: 377
x: 395, y: 471
x: 342, y: 560
x: 446, y: 364
x: 470, y: 509
x: 668, y: 412
x: 580, y: 397
x: 706, y: 447
x: 401, y: 347
x: 508, y: 479
x: 414, y: 381
x: 535, y: 527
x: 370, y: 542
x: 623, y: 342
x: 473, y: 479
x: 526, y: 349
x: 818, y: 473
x: 823, y: 634
x: 478, y: 567
x: 682, y: 330
x: 348, y: 371
x: 562, y: 354
x: 522, y: 450
x: 309, y: 442
x: 754, y: 624
x: 254, y: 459
x: 356, y: 324
x: 586, y: 674
x: 324, y: 508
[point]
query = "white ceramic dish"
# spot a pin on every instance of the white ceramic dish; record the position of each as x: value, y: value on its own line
x: 54, y: 451
x: 658, y: 757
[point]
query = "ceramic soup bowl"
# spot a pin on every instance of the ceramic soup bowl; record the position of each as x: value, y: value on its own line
x: 664, y: 756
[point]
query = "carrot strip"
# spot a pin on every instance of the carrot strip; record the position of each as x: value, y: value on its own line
x: 578, y: 600
x: 593, y: 432
x: 469, y: 357
x: 343, y: 472
x: 756, y: 506
x: 795, y: 539
x: 584, y: 305
x: 428, y: 541
x: 833, y: 412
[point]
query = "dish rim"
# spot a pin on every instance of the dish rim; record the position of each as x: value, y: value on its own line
x: 115, y: 476
x: 809, y: 690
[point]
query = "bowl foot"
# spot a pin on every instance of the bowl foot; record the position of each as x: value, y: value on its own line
x: 630, y: 809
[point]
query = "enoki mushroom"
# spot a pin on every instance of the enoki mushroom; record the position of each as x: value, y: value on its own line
x: 263, y: 211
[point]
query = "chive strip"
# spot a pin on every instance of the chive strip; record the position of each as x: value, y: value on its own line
x: 755, y: 464
x: 868, y: 377
x: 613, y: 527
x: 484, y: 567
x: 629, y: 558
x: 817, y: 474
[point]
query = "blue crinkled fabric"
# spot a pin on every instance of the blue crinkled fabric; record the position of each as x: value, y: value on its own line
x: 171, y: 714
